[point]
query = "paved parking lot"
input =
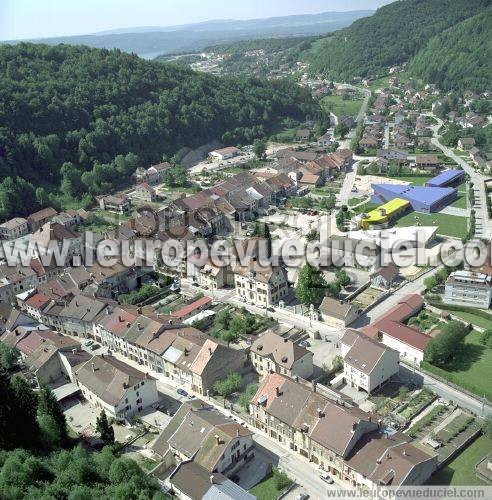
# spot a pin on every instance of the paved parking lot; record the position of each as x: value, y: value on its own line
x: 79, y: 413
x: 324, y: 352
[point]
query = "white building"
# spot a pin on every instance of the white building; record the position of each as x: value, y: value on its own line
x: 117, y: 388
x: 468, y: 288
x: 13, y: 229
x: 261, y: 285
x: 224, y: 153
x: 367, y: 364
x: 272, y: 353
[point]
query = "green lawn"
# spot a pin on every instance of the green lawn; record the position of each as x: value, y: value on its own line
x: 338, y: 106
x: 379, y: 83
x: 474, y: 319
x: 460, y: 202
x: 450, y: 225
x: 471, y: 368
x: 266, y: 489
x: 417, y: 180
x: 461, y: 471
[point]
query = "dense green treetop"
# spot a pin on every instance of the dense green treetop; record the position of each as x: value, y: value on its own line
x: 394, y: 34
x: 83, y: 107
x: 459, y: 57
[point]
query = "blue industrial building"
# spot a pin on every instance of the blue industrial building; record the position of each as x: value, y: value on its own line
x: 422, y: 199
x: 448, y: 178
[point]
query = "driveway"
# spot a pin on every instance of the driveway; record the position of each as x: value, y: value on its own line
x: 255, y: 470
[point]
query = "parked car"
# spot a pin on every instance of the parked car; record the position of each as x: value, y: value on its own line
x: 88, y: 343
x: 271, y: 309
x: 94, y: 347
x: 302, y: 496
x: 182, y: 392
x: 326, y: 477
x: 304, y: 343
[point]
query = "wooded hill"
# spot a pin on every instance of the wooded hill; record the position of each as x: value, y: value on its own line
x: 395, y: 34
x: 66, y: 112
x: 460, y: 57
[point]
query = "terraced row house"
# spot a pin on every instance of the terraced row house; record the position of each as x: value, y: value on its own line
x: 345, y: 441
x: 184, y: 354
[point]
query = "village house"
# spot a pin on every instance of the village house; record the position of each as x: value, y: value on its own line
x: 303, y: 135
x: 338, y: 313
x: 15, y: 280
x: 399, y: 155
x: 385, y: 277
x: 76, y: 318
x: 334, y: 436
x: 201, y: 434
x: 261, y: 285
x: 38, y: 219
x: 367, y: 364
x: 466, y: 143
x: 155, y: 173
x: 48, y: 354
x: 116, y: 204
x: 13, y: 228
x: 224, y: 153
x: 391, y: 330
x: 52, y: 238
x: 271, y: 353
x: 212, y: 277
x: 144, y: 192
x: 325, y: 141
x: 115, y: 387
x: 190, y: 480
x: 427, y: 161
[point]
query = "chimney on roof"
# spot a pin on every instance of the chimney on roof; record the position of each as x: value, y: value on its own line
x: 354, y: 426
x: 277, y: 391
x: 210, y: 351
x: 139, y: 310
x: 74, y: 351
x: 217, y: 439
x: 170, y: 321
x: 212, y: 479
x: 314, y: 385
x: 93, y: 366
x: 237, y: 435
x: 404, y: 452
x: 320, y: 413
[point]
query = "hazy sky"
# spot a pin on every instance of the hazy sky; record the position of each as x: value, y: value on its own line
x: 46, y: 18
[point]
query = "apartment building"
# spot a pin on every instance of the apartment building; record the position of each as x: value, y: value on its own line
x: 272, y: 353
x: 182, y: 353
x: 468, y: 288
x: 116, y: 387
x: 261, y: 285
x: 13, y: 229
x: 345, y: 441
x: 367, y: 364
x: 200, y: 433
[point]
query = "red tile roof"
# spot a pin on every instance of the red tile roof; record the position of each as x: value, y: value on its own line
x: 186, y: 310
x: 391, y: 323
x: 38, y: 301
